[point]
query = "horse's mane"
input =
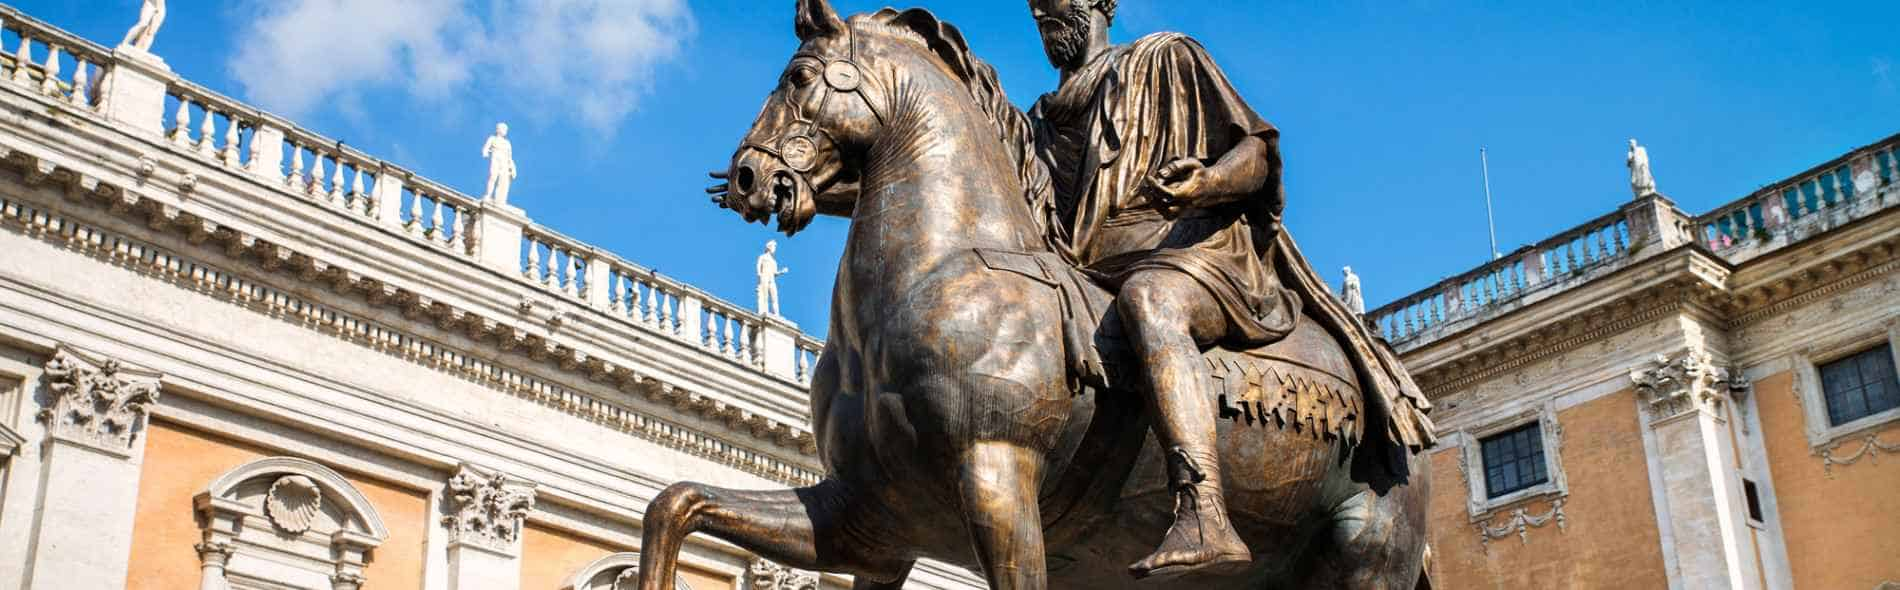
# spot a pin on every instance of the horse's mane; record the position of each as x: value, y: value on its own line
x: 1012, y: 125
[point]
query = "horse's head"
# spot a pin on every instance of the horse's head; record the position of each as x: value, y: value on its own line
x: 801, y: 156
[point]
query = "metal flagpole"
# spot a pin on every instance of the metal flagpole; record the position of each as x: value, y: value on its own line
x: 1490, y: 222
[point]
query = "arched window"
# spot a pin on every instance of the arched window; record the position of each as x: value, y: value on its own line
x: 284, y: 522
x: 613, y: 572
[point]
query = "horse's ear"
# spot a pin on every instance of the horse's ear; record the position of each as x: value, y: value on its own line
x: 817, y: 19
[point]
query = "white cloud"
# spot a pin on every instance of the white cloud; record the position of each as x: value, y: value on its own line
x: 591, y: 59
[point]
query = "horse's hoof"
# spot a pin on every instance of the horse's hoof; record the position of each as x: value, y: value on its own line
x: 1221, y: 565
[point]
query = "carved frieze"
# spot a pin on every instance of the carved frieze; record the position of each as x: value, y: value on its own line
x: 1675, y: 385
x: 766, y: 575
x: 1521, y: 521
x: 98, y: 403
x: 486, y: 508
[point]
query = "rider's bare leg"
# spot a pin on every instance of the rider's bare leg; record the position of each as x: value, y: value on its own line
x: 1167, y: 316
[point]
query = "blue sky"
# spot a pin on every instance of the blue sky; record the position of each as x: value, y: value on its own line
x: 618, y: 107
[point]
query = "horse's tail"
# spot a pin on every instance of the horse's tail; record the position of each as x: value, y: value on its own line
x: 1425, y: 570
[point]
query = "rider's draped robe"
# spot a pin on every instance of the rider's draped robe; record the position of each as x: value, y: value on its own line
x: 1134, y: 108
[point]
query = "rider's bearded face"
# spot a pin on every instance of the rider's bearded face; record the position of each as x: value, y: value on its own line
x: 1065, y: 33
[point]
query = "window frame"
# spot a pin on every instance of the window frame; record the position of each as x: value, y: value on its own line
x: 1479, y: 505
x: 1812, y: 397
x: 1486, y: 463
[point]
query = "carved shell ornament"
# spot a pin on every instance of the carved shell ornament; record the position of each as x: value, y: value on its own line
x: 293, y: 503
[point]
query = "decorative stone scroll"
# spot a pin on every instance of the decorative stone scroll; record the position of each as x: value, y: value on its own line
x: 97, y: 403
x: 486, y: 508
x: 1674, y: 386
x: 763, y: 574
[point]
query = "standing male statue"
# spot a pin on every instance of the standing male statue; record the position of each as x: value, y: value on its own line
x: 769, y: 272
x: 151, y: 15
x: 501, y: 165
x: 1349, y: 292
x: 1167, y: 190
x: 1641, y: 181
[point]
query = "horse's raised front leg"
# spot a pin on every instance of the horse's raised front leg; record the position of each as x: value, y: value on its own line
x: 802, y: 528
x: 998, y: 489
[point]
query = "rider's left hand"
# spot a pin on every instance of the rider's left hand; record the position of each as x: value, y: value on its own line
x: 1180, y: 183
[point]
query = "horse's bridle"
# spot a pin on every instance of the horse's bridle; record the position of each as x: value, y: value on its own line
x: 797, y: 145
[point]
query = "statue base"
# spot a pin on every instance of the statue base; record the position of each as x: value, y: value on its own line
x: 143, y: 57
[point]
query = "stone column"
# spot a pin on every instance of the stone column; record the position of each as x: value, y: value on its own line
x: 1686, y: 405
x: 778, y: 346
x: 94, y: 411
x: 212, y: 558
x: 134, y: 91
x: 498, y: 237
x: 486, y: 509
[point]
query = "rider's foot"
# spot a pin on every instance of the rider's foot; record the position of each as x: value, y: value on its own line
x: 1201, y: 540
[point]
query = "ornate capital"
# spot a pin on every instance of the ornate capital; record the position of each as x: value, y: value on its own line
x: 1674, y: 385
x: 766, y: 575
x: 96, y: 403
x: 215, y: 553
x: 486, y: 508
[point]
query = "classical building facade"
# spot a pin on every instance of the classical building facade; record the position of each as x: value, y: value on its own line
x: 236, y: 354
x: 1659, y: 399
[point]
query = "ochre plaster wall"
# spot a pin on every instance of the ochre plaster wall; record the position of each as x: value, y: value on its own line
x: 550, y: 557
x: 180, y: 463
x: 1610, y: 540
x: 1841, y: 531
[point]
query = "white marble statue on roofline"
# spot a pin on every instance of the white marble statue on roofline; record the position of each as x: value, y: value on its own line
x: 1349, y: 293
x: 769, y: 272
x: 1642, y: 183
x: 501, y: 165
x: 140, y: 36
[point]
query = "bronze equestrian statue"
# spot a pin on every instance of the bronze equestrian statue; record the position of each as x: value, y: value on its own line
x: 984, y: 400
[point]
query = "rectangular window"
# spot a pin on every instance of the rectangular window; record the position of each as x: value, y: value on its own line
x: 1754, y: 499
x: 1860, y: 385
x: 1513, y: 460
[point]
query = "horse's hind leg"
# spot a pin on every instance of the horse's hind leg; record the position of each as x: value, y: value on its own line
x: 802, y: 528
x: 998, y: 489
x: 1376, y: 541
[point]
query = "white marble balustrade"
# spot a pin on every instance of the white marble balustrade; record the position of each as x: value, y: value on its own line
x: 1861, y: 180
x: 51, y: 62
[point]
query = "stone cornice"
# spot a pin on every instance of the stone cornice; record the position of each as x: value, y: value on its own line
x: 51, y: 220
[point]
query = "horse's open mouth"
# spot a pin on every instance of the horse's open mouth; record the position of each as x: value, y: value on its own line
x: 792, y: 201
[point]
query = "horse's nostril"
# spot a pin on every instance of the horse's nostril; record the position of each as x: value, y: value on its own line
x: 746, y: 178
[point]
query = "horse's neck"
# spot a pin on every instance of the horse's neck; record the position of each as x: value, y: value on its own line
x: 939, y: 182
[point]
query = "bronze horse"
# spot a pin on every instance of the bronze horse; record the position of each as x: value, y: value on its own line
x: 948, y: 419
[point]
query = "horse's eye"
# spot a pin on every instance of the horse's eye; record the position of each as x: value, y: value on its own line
x: 802, y: 75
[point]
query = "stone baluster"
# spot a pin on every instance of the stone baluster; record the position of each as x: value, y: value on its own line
x: 551, y: 272
x: 438, y: 230
x: 803, y: 367
x: 644, y: 306
x: 23, y: 59
x: 742, y: 346
x: 208, y: 132
x: 458, y: 229
x: 667, y: 319
x: 533, y: 270
x: 359, y: 199
x: 414, y: 224
x: 335, y: 195
x: 315, y: 190
x: 181, y: 123
x: 231, y: 141
x: 614, y: 290
x: 570, y: 286
x: 631, y: 299
x: 1843, y: 192
x: 49, y: 84
x: 82, y: 93
x: 295, y: 178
